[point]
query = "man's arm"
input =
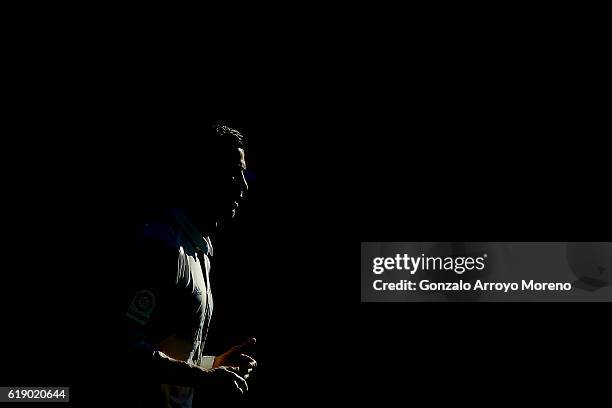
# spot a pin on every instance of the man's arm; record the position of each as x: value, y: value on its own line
x: 154, y: 365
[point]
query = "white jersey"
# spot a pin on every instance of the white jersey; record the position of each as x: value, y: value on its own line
x: 174, y: 304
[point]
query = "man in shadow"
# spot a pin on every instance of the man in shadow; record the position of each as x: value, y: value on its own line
x: 167, y: 294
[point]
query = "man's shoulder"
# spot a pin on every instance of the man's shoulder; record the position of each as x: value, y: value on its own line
x: 161, y: 233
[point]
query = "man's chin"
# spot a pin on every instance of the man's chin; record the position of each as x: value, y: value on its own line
x: 231, y: 214
x: 226, y: 218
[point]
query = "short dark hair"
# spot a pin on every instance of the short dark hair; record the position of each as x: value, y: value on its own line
x: 228, y: 136
x: 220, y: 145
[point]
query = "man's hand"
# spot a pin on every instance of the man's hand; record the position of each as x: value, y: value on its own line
x: 218, y: 383
x: 225, y: 382
x: 237, y: 360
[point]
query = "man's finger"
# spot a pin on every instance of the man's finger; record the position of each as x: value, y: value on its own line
x: 248, y: 360
x: 238, y: 387
x: 250, y: 342
x: 240, y: 383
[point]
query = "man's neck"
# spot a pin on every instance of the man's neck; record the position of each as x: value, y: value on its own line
x: 199, y: 218
x: 193, y: 230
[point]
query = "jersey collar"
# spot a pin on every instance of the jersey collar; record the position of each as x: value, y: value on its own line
x: 201, y: 242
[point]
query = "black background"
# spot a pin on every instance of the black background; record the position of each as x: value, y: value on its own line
x: 493, y: 141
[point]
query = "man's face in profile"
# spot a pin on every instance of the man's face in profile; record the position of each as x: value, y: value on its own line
x: 237, y: 185
x: 227, y: 187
